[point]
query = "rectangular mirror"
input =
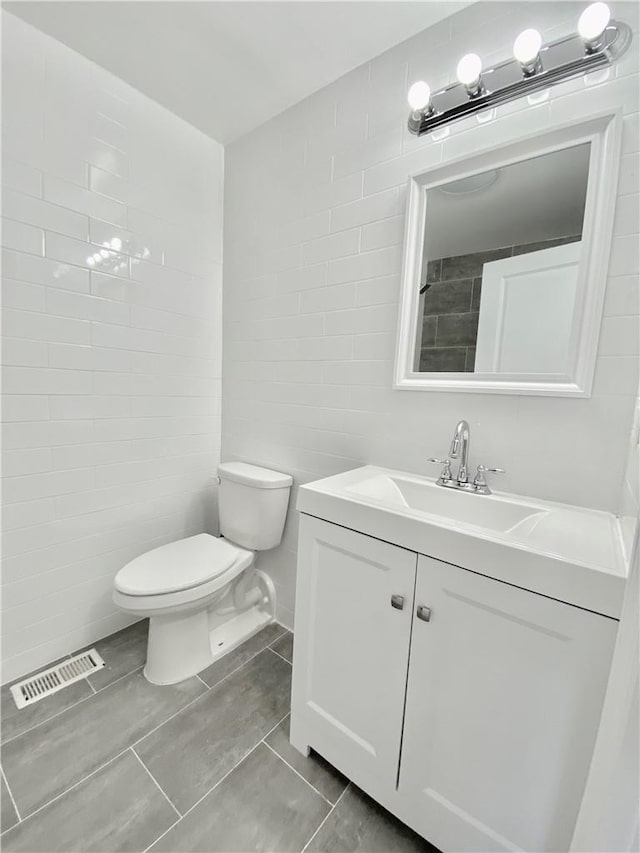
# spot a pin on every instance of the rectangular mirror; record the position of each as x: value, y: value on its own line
x: 505, y: 267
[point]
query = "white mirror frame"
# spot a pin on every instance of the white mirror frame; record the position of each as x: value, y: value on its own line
x: 604, y: 132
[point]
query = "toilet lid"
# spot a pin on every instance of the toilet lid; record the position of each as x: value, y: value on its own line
x: 176, y: 566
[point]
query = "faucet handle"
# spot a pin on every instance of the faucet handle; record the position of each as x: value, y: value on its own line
x: 446, y: 471
x: 479, y: 479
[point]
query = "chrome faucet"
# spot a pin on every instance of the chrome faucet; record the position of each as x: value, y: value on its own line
x: 461, y: 434
x: 460, y: 450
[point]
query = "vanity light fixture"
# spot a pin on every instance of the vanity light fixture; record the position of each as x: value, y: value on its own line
x: 592, y: 25
x: 469, y: 72
x: 535, y: 66
x: 419, y: 97
x: 526, y: 50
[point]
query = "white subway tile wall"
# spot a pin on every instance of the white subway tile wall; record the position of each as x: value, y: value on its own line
x: 629, y: 508
x: 314, y: 218
x: 112, y: 278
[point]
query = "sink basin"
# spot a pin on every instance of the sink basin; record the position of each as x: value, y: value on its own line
x: 570, y: 553
x: 485, y: 511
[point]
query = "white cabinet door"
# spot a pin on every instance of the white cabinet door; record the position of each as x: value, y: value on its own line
x: 503, y: 703
x: 351, y: 651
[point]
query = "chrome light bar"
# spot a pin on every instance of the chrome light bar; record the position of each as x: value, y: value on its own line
x: 560, y: 60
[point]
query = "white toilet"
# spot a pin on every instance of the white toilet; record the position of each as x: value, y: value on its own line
x: 203, y: 595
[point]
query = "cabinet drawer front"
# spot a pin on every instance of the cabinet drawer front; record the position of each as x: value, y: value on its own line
x: 503, y: 704
x: 353, y: 624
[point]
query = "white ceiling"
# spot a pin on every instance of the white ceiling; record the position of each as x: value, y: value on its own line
x: 226, y: 67
x: 537, y: 199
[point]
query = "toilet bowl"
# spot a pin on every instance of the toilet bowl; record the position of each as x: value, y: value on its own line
x: 203, y: 595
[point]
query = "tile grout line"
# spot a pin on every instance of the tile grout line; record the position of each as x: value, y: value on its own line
x: 156, y: 783
x: 11, y: 795
x: 280, y: 636
x: 135, y: 743
x: 75, y: 704
x: 110, y: 760
x: 284, y: 761
x: 326, y: 818
x: 141, y: 738
x: 188, y: 705
x: 219, y: 782
x: 244, y: 663
x: 203, y: 682
x: 280, y: 656
x: 72, y: 787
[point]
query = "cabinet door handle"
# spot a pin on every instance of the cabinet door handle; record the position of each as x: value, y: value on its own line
x: 423, y: 613
x: 397, y: 601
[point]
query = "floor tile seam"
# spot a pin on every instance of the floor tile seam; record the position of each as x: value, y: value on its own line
x: 202, y: 681
x: 15, y: 806
x: 219, y: 782
x: 326, y: 817
x: 92, y: 695
x: 113, y: 758
x: 172, y: 717
x: 281, y: 635
x: 157, y: 784
x: 240, y: 665
x: 119, y: 755
x: 73, y: 787
x: 194, y: 700
x: 284, y: 761
x: 282, y: 657
x: 213, y: 787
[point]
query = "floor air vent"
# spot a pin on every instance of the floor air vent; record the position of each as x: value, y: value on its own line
x: 49, y: 681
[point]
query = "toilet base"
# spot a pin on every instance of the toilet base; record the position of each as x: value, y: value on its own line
x: 181, y: 645
x: 178, y: 647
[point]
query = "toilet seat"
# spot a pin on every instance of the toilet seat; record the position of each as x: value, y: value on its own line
x: 178, y: 566
x: 182, y: 597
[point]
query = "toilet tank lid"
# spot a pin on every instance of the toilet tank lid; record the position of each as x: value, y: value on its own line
x: 254, y: 475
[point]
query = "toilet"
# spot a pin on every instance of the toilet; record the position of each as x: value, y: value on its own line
x: 203, y: 595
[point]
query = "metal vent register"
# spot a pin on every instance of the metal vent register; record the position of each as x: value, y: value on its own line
x: 49, y: 681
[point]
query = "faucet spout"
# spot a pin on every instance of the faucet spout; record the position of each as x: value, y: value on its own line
x: 460, y: 449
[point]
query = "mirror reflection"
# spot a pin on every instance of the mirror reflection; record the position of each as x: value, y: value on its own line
x: 499, y: 277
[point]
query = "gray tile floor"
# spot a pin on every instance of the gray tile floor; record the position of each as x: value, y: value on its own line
x: 113, y: 763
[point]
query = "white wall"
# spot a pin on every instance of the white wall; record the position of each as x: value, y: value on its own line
x: 112, y: 372
x: 314, y: 217
x: 629, y: 509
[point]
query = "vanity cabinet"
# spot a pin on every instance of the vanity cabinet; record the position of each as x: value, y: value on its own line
x: 353, y: 658
x: 469, y: 708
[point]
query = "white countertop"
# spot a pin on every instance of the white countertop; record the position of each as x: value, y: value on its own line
x: 566, y: 552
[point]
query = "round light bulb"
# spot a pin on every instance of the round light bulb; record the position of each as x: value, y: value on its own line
x: 527, y: 47
x: 593, y: 21
x: 116, y: 243
x: 469, y: 69
x: 419, y: 96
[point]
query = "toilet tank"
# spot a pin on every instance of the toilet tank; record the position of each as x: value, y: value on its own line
x: 252, y: 504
